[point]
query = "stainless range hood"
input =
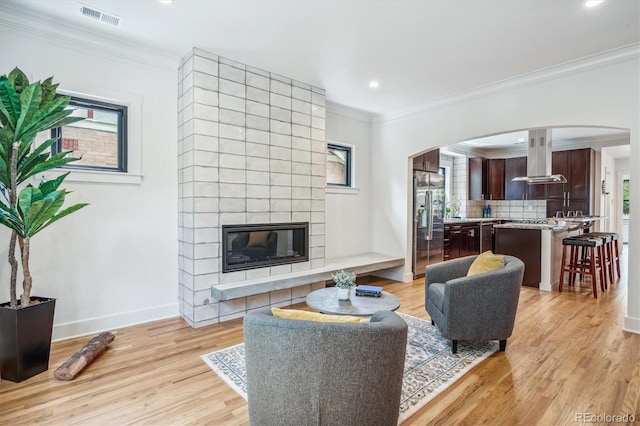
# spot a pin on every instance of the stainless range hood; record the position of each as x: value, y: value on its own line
x: 539, y: 160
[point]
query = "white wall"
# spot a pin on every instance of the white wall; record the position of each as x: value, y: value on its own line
x: 622, y: 171
x: 607, y: 201
x: 348, y: 217
x: 115, y: 262
x: 600, y: 92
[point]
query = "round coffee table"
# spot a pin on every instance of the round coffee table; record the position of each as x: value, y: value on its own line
x: 326, y: 301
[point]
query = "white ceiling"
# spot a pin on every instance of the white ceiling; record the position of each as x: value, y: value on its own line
x: 615, y: 141
x: 419, y: 51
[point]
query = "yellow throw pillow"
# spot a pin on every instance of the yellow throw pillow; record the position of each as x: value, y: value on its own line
x: 314, y: 316
x: 486, y: 262
x: 258, y: 238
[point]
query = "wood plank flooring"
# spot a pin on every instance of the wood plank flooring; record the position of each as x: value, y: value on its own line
x: 568, y: 355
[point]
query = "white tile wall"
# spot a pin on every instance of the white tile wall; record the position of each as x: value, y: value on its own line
x: 509, y: 209
x: 251, y: 149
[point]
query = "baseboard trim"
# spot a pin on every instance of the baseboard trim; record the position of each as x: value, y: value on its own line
x: 88, y: 326
x: 632, y: 325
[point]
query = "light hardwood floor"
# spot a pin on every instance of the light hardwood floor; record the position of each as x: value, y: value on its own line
x: 568, y: 355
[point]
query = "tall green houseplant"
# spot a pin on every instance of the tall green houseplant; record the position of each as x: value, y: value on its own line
x: 27, y: 109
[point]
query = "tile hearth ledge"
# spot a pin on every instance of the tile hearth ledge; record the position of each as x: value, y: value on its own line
x: 360, y: 264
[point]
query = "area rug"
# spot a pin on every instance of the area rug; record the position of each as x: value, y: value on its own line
x: 429, y: 366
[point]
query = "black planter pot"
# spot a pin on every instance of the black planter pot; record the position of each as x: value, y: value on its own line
x: 25, y: 339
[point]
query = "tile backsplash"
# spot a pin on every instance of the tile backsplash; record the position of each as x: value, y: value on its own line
x: 508, y: 209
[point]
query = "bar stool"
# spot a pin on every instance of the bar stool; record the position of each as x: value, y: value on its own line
x: 589, y: 264
x: 613, y: 252
x: 604, y: 255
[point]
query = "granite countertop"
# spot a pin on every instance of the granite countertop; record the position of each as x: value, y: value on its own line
x: 555, y: 224
x: 582, y: 219
x: 541, y: 226
x: 472, y: 219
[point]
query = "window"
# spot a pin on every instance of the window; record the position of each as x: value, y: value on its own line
x: 339, y: 165
x: 625, y: 198
x: 100, y: 139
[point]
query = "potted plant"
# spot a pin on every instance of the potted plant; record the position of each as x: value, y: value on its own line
x: 27, y: 109
x: 344, y: 281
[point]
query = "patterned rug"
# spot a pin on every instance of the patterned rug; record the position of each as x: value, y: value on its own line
x: 429, y: 366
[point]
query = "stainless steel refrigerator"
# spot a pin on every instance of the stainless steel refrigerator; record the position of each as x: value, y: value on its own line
x: 428, y: 220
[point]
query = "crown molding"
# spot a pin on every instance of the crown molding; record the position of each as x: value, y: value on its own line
x: 625, y: 53
x: 42, y: 27
x: 594, y: 142
x: 356, y: 114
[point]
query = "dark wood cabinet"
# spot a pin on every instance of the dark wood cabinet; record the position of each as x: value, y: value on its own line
x: 486, y: 178
x: 515, y: 167
x: 578, y: 182
x: 476, y: 178
x: 559, y: 165
x: 490, y: 179
x: 494, y: 179
x: 428, y: 162
x: 452, y: 241
x: 461, y: 240
x: 486, y: 237
x: 510, y: 241
x: 470, y: 240
x: 577, y: 166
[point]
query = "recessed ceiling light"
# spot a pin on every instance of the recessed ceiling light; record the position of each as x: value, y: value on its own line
x: 592, y: 3
x: 165, y: 1
x: 374, y: 84
x: 521, y: 140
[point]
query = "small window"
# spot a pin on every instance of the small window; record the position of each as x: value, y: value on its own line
x: 339, y: 165
x: 100, y: 139
x: 625, y: 198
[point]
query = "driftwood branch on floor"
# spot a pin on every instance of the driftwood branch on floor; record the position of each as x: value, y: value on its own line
x: 74, y: 365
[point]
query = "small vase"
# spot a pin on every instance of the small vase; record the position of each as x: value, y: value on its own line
x: 344, y: 293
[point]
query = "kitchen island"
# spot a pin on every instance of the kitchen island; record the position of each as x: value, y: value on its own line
x: 539, y: 245
x: 540, y: 248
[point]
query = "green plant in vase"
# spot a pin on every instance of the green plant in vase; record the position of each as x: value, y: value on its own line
x: 27, y: 109
x: 344, y: 282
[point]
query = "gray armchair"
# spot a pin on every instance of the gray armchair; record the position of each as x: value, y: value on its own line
x: 317, y: 373
x: 480, y: 307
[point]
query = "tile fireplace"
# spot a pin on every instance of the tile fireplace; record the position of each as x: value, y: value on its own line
x: 251, y: 150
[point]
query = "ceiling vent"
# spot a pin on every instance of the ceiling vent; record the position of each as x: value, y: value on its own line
x: 101, y: 16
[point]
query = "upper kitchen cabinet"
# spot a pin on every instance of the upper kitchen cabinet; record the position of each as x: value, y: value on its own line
x: 577, y: 166
x: 495, y: 169
x: 476, y: 178
x: 515, y: 167
x: 486, y: 178
x: 428, y: 162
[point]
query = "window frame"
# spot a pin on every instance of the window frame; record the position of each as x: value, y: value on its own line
x: 349, y: 150
x: 122, y: 135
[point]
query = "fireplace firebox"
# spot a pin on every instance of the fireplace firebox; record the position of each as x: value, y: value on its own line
x: 262, y: 245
